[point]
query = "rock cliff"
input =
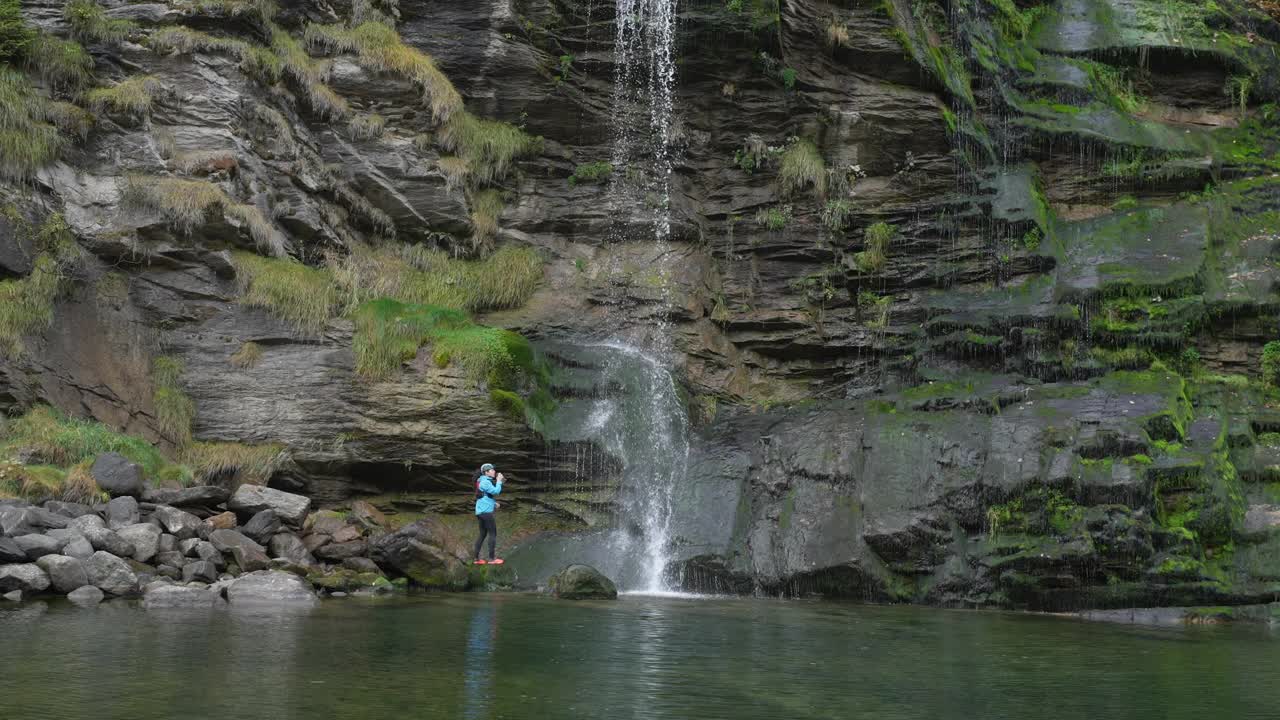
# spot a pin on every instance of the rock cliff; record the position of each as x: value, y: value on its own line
x: 970, y: 300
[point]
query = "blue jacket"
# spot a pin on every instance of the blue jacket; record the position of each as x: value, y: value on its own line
x: 484, y: 503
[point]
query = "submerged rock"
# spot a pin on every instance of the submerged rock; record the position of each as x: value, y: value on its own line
x: 178, y: 596
x: 86, y: 596
x: 582, y: 582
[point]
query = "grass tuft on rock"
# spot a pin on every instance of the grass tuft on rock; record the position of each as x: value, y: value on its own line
x: 62, y: 64
x: 219, y: 461
x: 26, y: 304
x: 802, y: 167
x: 174, y: 408
x: 47, y: 436
x: 185, y: 204
x: 875, y: 251
x: 15, y: 35
x: 488, y: 147
x: 486, y: 207
x: 367, y: 126
x: 247, y: 357
x: 417, y: 275
x: 303, y: 296
x: 27, y: 141
x: 378, y: 47
x: 132, y: 97
x: 89, y: 23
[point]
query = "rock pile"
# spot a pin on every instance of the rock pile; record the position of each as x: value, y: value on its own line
x: 196, y: 546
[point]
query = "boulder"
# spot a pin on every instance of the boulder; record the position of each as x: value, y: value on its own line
x: 14, y: 596
x: 221, y: 521
x: 117, y: 475
x: 337, y: 552
x: 314, y: 542
x: 85, y: 523
x: 324, y: 522
x: 36, y: 546
x: 178, y: 596
x: 168, y: 543
x: 249, y: 558
x: 251, y: 499
x: 289, y: 547
x: 11, y: 552
x: 24, y: 577
x: 180, y: 523
x: 79, y: 548
x: 110, y: 574
x: 145, y: 539
x: 68, y: 509
x: 65, y: 573
x: 361, y: 565
x: 426, y: 552
x: 207, y: 552
x: 582, y: 582
x: 188, y: 547
x: 225, y: 540
x: 16, y: 521
x: 122, y: 511
x: 173, y: 558
x: 203, y: 495
x: 271, y: 587
x: 262, y: 526
x: 168, y: 572
x: 347, y: 534
x: 200, y: 570
x: 103, y: 539
x: 86, y: 596
x: 366, y: 514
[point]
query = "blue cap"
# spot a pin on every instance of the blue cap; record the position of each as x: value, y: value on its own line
x: 486, y: 467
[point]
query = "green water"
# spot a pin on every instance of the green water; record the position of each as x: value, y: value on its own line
x: 517, y: 656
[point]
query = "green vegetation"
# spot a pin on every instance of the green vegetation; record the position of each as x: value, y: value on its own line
x: 378, y: 47
x: 129, y: 97
x: 417, y: 275
x: 802, y: 167
x: 174, y: 408
x: 753, y: 154
x: 302, y: 296
x: 488, y: 147
x: 28, y: 141
x: 1271, y: 363
x: 1038, y: 511
x: 389, y: 333
x: 15, y: 35
x: 247, y: 357
x: 257, y: 61
x: 774, y: 218
x: 593, y: 172
x: 874, y: 309
x: 89, y: 23
x: 26, y: 304
x: 213, y: 461
x: 63, y: 64
x: 876, y: 241
x: 835, y: 216
x: 788, y: 77
x: 185, y: 204
x: 1115, y: 86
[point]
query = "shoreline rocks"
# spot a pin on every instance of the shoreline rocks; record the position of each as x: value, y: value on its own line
x: 582, y: 582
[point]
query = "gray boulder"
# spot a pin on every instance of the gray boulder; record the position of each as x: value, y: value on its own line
x: 252, y: 499
x: 180, y: 523
x: 271, y: 587
x: 582, y: 582
x: 86, y: 596
x: 262, y: 526
x: 188, y: 547
x: 337, y: 552
x: 11, y: 552
x: 250, y: 559
x: 172, y: 558
x: 110, y: 574
x: 206, y: 551
x: 68, y: 509
x: 25, y: 577
x: 205, y: 495
x: 289, y: 547
x: 145, y: 539
x: 178, y: 596
x: 65, y: 573
x: 101, y: 538
x: 36, y: 546
x: 86, y: 522
x: 79, y: 548
x: 28, y: 520
x: 361, y: 565
x: 168, y: 543
x: 425, y: 551
x: 117, y: 475
x: 122, y: 511
x: 225, y: 540
x: 13, y: 596
x: 200, y: 570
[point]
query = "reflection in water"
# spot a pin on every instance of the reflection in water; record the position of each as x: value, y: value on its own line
x: 638, y: 657
x: 478, y: 665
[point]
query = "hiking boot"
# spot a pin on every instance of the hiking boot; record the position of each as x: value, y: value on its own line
x: 481, y: 562
x: 499, y: 561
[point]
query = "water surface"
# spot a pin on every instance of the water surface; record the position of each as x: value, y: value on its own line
x: 522, y: 656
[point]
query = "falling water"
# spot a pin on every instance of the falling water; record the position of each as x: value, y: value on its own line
x: 655, y: 453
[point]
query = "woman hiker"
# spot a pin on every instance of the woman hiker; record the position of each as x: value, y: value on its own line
x: 488, y: 485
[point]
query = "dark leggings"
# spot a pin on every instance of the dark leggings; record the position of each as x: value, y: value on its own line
x: 489, y: 527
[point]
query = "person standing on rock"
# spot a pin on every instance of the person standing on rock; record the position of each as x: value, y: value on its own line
x: 488, y: 485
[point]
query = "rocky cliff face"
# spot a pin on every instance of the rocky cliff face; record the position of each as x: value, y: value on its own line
x: 969, y: 299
